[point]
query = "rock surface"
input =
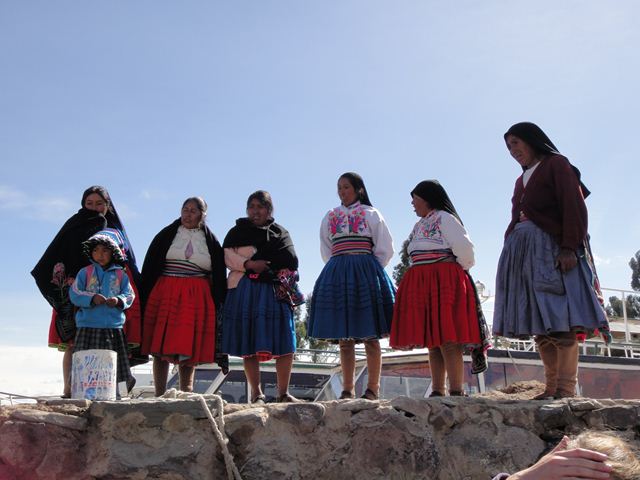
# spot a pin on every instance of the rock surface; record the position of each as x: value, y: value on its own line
x: 172, y: 439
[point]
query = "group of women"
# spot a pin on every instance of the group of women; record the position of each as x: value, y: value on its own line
x: 189, y: 312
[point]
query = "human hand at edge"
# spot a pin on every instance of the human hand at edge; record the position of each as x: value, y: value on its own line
x: 577, y: 463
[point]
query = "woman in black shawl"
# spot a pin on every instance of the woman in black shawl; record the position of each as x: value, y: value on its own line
x: 258, y: 319
x: 62, y: 260
x: 183, y: 288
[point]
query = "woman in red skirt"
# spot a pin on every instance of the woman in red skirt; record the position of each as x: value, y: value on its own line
x: 436, y: 303
x: 183, y: 284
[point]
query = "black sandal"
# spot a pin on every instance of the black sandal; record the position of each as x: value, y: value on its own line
x: 259, y: 400
x: 369, y: 395
x: 458, y: 393
x: 347, y: 395
x: 435, y: 393
x: 287, y: 398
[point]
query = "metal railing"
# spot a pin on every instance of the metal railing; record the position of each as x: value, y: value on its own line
x: 625, y: 317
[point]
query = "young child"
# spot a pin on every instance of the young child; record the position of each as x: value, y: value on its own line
x: 102, y: 292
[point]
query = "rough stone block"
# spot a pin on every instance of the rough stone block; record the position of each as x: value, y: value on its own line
x: 52, y: 418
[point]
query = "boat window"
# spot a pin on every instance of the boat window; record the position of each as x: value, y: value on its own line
x: 609, y: 383
x: 234, y: 387
x: 304, y: 386
x: 204, y: 378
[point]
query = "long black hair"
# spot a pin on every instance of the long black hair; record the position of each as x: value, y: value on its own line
x: 432, y: 192
x: 357, y: 183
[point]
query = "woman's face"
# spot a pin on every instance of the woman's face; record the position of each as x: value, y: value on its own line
x: 258, y: 213
x: 521, y: 151
x: 420, y: 206
x: 96, y: 203
x: 190, y: 215
x: 346, y: 192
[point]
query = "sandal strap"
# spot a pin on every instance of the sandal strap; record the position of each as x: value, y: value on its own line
x: 370, y: 394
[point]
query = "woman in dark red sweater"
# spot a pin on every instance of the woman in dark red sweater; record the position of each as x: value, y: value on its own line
x: 546, y: 284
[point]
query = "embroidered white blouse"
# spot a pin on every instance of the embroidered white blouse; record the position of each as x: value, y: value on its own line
x: 356, y: 220
x: 197, y: 254
x: 440, y: 230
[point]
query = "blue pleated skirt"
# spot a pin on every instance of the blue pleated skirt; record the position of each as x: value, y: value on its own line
x: 255, y: 323
x: 352, y: 299
x: 534, y: 298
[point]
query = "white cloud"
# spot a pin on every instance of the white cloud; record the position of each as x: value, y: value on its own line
x: 151, y: 194
x: 49, y: 208
x: 601, y: 260
x: 126, y: 213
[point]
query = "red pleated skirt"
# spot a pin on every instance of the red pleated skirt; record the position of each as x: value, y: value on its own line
x: 435, y: 304
x: 54, y: 339
x: 132, y: 324
x: 180, y: 321
x: 133, y: 314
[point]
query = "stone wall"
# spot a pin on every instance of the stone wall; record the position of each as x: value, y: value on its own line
x: 172, y: 439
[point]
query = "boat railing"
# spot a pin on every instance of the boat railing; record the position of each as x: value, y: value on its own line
x: 588, y: 347
x: 625, y: 317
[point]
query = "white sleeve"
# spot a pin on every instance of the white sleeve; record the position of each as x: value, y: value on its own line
x: 325, y: 241
x: 458, y: 239
x: 382, y: 241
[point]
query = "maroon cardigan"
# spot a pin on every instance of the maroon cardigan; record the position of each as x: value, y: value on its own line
x: 553, y: 201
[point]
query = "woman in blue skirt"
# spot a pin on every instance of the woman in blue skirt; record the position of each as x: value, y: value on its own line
x: 353, y: 296
x: 546, y: 284
x: 258, y: 312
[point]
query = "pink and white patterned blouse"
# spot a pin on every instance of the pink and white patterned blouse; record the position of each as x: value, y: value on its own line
x: 356, y: 220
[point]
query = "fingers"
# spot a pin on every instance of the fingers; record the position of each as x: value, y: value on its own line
x: 587, y: 455
x: 577, y: 464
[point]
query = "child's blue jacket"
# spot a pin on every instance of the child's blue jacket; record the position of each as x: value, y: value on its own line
x: 112, y: 282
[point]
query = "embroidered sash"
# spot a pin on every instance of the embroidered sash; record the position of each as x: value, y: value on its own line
x: 350, y: 245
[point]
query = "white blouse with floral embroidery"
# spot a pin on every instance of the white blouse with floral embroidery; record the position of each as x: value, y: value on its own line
x: 440, y: 230
x: 356, y: 220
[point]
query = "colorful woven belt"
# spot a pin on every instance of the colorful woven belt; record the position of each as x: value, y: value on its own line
x: 425, y: 257
x: 351, y: 245
x: 182, y: 268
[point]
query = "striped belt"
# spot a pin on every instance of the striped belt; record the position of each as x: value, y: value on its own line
x: 351, y: 245
x: 182, y: 268
x: 425, y: 257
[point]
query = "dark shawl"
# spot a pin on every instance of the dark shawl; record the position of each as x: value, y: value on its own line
x: 540, y: 142
x: 436, y: 196
x: 113, y: 221
x: 66, y: 249
x: 272, y: 242
x: 156, y: 255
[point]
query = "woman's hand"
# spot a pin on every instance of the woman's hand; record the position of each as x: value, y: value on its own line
x: 568, y: 464
x: 98, y: 299
x: 257, y: 266
x: 566, y: 260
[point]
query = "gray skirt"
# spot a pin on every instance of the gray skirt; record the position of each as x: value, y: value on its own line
x: 534, y: 298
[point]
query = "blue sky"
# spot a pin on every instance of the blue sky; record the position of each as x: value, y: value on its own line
x: 162, y: 100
